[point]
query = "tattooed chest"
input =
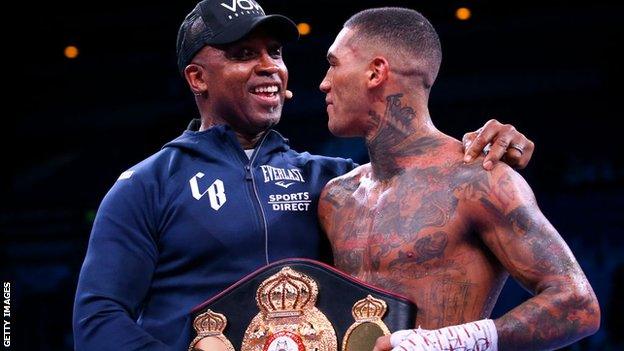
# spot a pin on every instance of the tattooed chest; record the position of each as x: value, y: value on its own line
x: 404, y: 226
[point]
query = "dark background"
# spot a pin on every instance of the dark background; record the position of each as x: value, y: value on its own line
x: 550, y: 68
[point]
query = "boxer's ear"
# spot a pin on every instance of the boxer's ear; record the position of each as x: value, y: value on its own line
x: 378, y: 70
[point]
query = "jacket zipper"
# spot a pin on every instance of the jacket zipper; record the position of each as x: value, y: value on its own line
x: 250, y: 176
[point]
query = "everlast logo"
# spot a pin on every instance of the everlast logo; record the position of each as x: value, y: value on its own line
x: 282, y: 177
x: 242, y: 5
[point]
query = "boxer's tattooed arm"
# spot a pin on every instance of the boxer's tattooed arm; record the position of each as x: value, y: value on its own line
x: 548, y: 327
x: 564, y: 308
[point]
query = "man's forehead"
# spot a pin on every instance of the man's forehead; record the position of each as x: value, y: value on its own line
x: 341, y: 43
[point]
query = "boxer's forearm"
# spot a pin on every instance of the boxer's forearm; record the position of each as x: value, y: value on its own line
x: 556, y: 317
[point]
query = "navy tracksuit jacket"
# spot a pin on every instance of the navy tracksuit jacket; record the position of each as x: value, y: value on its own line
x: 186, y: 223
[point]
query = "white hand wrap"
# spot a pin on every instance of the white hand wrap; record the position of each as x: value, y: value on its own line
x: 474, y: 336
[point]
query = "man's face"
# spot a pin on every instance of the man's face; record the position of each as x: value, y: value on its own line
x: 246, y: 81
x: 345, y: 86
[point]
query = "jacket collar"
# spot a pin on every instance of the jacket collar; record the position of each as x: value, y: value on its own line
x: 220, y: 138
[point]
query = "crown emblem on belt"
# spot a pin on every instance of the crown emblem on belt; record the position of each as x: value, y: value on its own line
x: 287, y: 293
x: 369, y: 309
x: 211, y: 324
x: 368, y: 326
x: 288, y: 316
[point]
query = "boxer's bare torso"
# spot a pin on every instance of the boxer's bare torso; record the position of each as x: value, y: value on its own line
x: 419, y: 221
x: 415, y: 232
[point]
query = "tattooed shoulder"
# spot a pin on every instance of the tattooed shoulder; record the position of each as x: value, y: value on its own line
x: 509, y: 189
x: 490, y: 196
x: 470, y: 182
x: 337, y: 190
x: 334, y: 196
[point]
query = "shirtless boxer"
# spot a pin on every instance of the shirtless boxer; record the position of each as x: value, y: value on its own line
x: 420, y: 221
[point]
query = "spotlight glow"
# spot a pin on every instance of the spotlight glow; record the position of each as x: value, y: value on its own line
x: 463, y: 13
x: 304, y: 28
x: 71, y: 52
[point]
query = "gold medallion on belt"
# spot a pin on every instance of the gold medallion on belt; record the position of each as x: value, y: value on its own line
x: 288, y: 319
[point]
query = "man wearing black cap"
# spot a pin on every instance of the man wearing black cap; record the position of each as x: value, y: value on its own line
x: 226, y: 197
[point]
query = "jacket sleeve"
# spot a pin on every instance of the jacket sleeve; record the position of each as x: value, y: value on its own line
x: 117, y: 273
x: 351, y: 165
x: 346, y: 166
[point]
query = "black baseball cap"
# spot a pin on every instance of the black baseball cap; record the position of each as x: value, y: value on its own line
x: 214, y: 22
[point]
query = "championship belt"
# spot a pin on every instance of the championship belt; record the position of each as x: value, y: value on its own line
x: 300, y: 305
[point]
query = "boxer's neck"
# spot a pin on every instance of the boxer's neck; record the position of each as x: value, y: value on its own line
x: 402, y: 129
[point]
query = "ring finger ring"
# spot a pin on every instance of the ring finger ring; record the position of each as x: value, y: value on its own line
x: 518, y: 147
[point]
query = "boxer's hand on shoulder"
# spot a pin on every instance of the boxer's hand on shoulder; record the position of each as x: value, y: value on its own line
x: 504, y: 143
x: 383, y: 344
